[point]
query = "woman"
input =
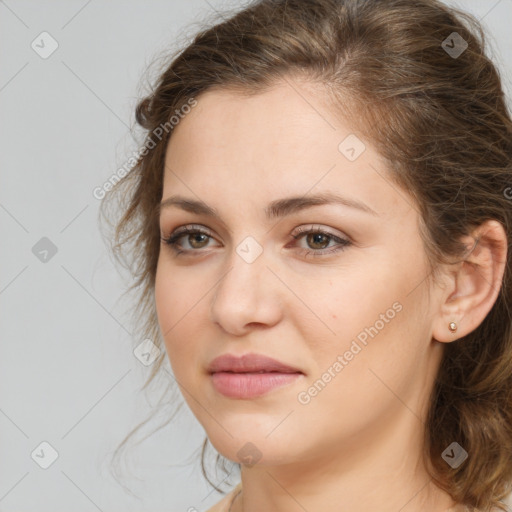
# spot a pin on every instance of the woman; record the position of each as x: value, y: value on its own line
x: 320, y: 220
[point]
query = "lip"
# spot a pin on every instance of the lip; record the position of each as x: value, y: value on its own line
x: 249, y: 363
x: 250, y: 376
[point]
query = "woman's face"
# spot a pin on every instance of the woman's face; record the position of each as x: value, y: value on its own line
x: 346, y: 305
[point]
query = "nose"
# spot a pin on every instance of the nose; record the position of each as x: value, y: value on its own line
x: 247, y: 296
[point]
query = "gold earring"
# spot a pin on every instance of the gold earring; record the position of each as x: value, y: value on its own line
x: 452, y: 326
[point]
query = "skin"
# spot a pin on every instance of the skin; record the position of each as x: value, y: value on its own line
x: 357, y: 444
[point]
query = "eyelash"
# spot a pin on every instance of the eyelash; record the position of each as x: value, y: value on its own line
x: 172, y: 240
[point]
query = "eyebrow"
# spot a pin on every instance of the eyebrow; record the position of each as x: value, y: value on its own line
x: 275, y: 209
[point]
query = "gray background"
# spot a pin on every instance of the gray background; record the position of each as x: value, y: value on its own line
x: 67, y: 372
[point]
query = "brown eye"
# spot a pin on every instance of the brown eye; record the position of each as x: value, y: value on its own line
x: 196, y: 240
x: 318, y: 240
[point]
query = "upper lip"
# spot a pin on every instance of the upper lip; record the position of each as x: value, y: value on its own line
x: 249, y: 363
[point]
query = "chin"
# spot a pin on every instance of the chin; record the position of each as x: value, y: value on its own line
x: 251, y: 449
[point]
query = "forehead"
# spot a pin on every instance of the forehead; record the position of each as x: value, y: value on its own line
x: 284, y: 120
x: 282, y: 141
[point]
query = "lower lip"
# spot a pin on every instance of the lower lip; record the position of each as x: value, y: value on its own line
x: 250, y: 385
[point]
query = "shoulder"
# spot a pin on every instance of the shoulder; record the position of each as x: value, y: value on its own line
x: 223, y: 504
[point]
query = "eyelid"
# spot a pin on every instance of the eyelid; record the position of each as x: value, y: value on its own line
x: 297, y: 231
x: 317, y: 227
x: 191, y: 228
x: 342, y: 241
x: 171, y: 239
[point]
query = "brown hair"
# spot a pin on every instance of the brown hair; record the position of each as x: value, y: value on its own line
x: 441, y: 122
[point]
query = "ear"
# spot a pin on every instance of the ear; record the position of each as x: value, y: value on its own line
x: 475, y: 283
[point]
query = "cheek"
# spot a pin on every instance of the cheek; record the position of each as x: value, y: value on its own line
x: 178, y: 303
x: 370, y: 321
x: 359, y: 381
x: 338, y: 308
x: 178, y: 293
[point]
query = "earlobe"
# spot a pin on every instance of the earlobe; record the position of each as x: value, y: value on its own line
x: 476, y: 284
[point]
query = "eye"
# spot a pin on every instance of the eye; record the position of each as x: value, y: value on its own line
x: 195, y: 236
x: 317, y: 239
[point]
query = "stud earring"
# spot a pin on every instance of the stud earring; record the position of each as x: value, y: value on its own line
x: 452, y: 326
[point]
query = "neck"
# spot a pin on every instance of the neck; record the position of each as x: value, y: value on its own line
x: 372, y: 474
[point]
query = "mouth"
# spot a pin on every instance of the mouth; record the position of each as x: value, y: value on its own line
x: 247, y: 385
x: 249, y: 363
x: 255, y: 372
x: 250, y: 375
